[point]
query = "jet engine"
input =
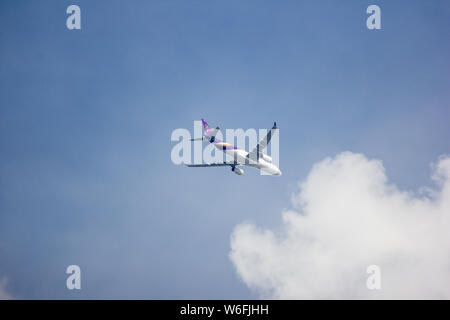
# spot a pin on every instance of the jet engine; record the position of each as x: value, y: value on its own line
x: 238, y: 171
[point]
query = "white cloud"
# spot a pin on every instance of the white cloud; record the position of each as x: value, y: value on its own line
x: 346, y: 217
x: 4, y: 295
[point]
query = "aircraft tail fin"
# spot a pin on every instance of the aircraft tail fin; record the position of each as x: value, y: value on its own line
x: 209, y: 133
x: 205, y: 125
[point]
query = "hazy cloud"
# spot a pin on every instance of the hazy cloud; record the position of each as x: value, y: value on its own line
x: 345, y: 217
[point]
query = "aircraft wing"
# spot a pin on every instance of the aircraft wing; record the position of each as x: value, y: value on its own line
x: 254, y: 154
x: 224, y: 164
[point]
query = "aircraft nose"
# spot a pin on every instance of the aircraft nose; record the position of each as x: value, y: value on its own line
x: 278, y: 173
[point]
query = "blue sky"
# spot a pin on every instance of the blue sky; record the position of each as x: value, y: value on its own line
x: 86, y: 118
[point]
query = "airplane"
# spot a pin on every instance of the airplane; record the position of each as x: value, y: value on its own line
x: 255, y: 158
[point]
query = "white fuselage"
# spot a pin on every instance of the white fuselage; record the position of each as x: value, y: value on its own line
x: 241, y: 158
